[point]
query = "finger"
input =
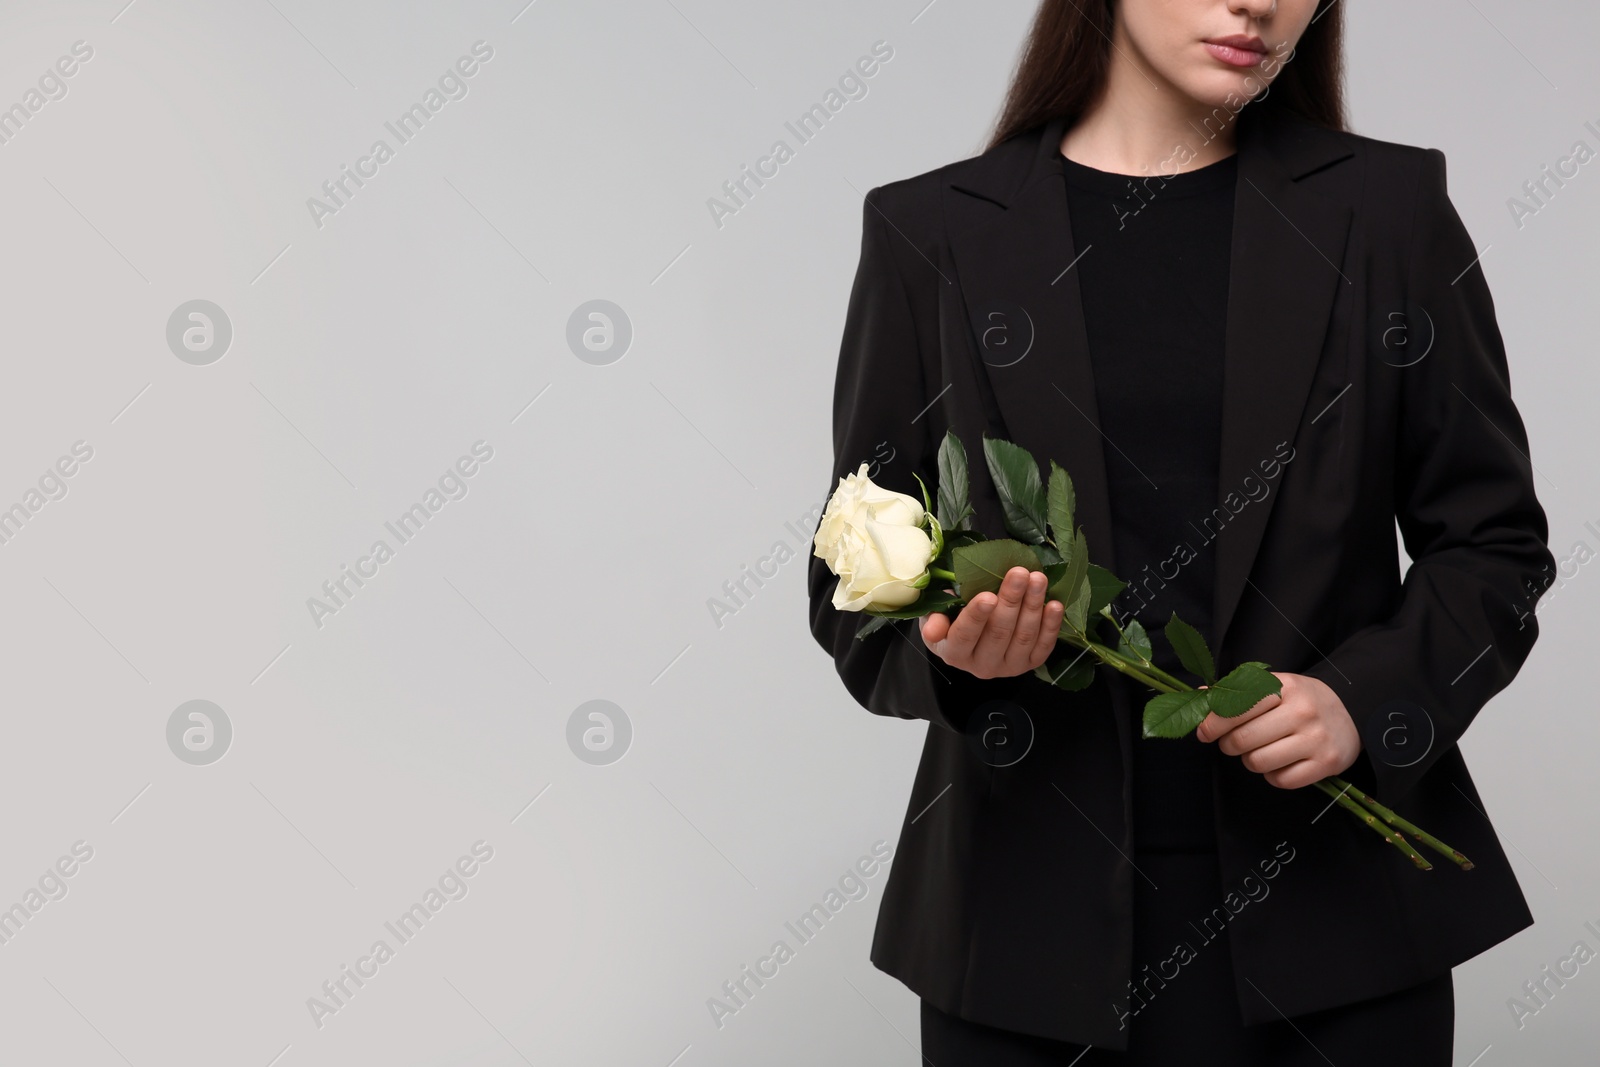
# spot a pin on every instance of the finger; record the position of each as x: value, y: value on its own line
x: 1030, y: 620
x: 961, y: 641
x: 1264, y: 728
x: 1049, y: 631
x: 1002, y: 621
x: 1214, y: 726
x: 1297, y: 775
x: 935, y: 628
x: 1277, y: 755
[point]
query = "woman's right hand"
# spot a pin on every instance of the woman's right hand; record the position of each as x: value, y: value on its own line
x: 998, y: 636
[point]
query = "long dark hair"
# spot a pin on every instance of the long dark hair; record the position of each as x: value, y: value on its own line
x: 1065, y: 60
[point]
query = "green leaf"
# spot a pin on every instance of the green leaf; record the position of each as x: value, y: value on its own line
x: 955, y: 487
x: 1242, y: 689
x: 1135, y: 642
x: 1016, y: 478
x: 1077, y: 613
x: 1191, y: 649
x: 1047, y: 554
x: 982, y: 566
x: 1073, y: 589
x: 1175, y: 714
x: 1069, y: 575
x: 1062, y: 501
x: 1106, y: 586
x: 1068, y: 667
x: 873, y: 624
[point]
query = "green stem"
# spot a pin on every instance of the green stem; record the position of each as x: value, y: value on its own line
x: 1110, y: 616
x: 1124, y: 664
x: 1388, y: 833
x: 1141, y: 670
x: 940, y: 572
x: 1178, y: 685
x: 1399, y: 823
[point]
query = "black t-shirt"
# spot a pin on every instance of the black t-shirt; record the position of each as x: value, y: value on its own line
x: 1153, y: 274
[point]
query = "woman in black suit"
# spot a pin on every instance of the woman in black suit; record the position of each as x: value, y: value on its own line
x: 1256, y: 341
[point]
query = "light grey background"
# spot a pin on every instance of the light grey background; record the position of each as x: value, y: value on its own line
x: 432, y: 710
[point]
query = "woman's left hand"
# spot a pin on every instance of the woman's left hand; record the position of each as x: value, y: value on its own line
x: 1292, y: 739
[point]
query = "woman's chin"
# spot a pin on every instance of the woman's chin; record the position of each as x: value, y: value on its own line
x: 1223, y: 89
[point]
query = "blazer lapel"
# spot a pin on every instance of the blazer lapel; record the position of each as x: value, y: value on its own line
x: 1017, y: 269
x: 1021, y: 298
x: 1288, y: 247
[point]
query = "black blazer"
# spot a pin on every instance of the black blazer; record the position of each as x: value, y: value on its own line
x: 1365, y: 382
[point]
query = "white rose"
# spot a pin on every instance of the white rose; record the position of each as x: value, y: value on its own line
x: 872, y: 538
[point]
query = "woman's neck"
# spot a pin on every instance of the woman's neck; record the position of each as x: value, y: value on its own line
x: 1142, y: 124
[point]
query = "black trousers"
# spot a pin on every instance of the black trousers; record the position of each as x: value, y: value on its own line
x: 1193, y: 1020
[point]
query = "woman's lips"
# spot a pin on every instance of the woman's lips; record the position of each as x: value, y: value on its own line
x: 1232, y: 54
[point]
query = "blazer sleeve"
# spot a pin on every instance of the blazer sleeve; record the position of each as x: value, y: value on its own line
x: 1468, y: 515
x: 882, y: 414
